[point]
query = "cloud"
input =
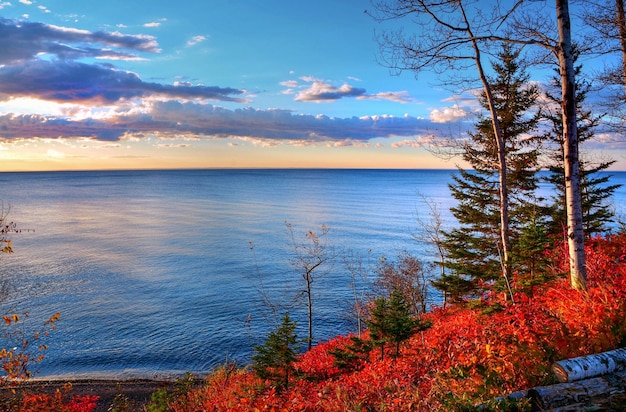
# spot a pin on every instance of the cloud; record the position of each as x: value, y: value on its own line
x: 448, y: 114
x: 24, y: 73
x: 320, y: 91
x: 155, y: 23
x: 46, y: 63
x: 195, y: 40
x: 27, y: 2
x: 94, y: 84
x: 23, y: 41
x: 399, y: 97
x: 173, y: 119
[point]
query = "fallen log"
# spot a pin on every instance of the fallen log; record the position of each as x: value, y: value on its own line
x: 569, y: 393
x: 575, y: 369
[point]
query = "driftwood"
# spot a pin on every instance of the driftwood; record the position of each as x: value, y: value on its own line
x: 575, y: 369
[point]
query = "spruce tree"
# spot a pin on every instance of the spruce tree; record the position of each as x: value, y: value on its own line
x: 596, y: 191
x: 391, y: 322
x: 474, y: 248
x: 274, y: 359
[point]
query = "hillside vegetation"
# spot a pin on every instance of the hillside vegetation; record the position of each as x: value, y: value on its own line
x: 472, y: 352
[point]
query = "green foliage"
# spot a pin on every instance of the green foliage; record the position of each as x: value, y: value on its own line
x: 474, y: 249
x: 391, y: 322
x: 274, y: 360
x: 596, y: 191
x: 159, y: 401
x: 530, y: 253
x: 353, y: 355
x: 466, y: 358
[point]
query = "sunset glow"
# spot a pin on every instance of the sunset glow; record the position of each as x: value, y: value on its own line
x: 135, y: 85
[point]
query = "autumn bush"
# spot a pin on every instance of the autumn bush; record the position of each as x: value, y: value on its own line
x: 470, y: 354
x: 59, y: 401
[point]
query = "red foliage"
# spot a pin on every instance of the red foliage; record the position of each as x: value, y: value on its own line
x: 470, y: 354
x: 56, y: 403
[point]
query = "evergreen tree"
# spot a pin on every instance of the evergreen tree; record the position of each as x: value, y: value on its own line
x: 595, y: 188
x: 391, y: 322
x: 532, y: 242
x: 353, y: 355
x: 274, y: 359
x: 474, y: 249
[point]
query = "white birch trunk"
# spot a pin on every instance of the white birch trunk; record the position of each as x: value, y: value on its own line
x: 570, y: 370
x: 575, y: 232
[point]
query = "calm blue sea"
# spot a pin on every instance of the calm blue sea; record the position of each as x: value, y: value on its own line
x: 153, y: 271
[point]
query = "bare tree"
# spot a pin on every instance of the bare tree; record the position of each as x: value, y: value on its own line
x: 359, y: 285
x: 406, y: 276
x: 432, y: 233
x: 608, y: 21
x: 312, y: 259
x: 452, y: 36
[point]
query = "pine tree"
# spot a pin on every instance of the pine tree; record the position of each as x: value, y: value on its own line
x: 474, y: 249
x: 391, y: 322
x: 274, y: 359
x: 595, y: 188
x: 353, y: 355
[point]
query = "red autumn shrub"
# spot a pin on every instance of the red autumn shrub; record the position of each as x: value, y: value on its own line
x: 468, y: 355
x: 56, y: 403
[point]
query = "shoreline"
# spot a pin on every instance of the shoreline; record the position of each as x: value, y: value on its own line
x: 134, y: 390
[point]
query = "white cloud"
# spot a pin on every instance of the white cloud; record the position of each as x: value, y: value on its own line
x: 155, y: 23
x: 320, y: 91
x: 448, y: 114
x: 27, y: 2
x: 399, y: 97
x: 195, y: 40
x: 406, y: 143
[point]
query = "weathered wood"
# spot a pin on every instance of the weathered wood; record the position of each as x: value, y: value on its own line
x: 571, y: 393
x: 613, y: 403
x: 575, y: 369
x: 568, y: 393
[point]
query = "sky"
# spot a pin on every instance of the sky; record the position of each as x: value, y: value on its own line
x: 213, y: 84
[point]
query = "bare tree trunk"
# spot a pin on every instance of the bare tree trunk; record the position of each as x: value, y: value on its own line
x: 621, y: 24
x: 502, y: 170
x: 309, y: 300
x: 575, y: 233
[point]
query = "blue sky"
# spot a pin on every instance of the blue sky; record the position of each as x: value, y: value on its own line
x: 214, y: 83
